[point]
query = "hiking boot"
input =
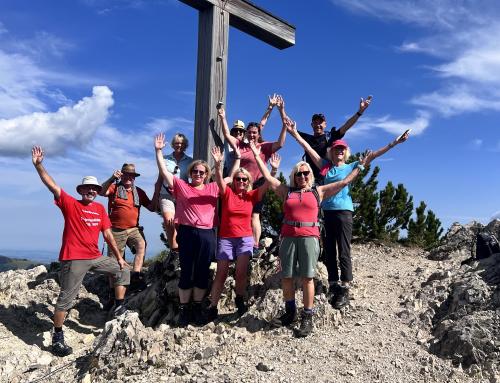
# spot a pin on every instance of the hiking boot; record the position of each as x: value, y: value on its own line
x: 342, y: 299
x: 184, y: 315
x: 110, y: 302
x: 59, y: 347
x: 240, y: 305
x: 199, y: 318
x: 119, y: 310
x: 306, y: 325
x: 286, y: 319
x: 211, y: 313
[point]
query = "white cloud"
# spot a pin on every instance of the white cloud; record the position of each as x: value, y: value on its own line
x: 59, y: 131
x: 458, y: 99
x: 462, y: 35
x: 393, y: 126
x: 495, y: 215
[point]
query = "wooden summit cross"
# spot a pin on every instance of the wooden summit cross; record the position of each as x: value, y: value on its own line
x: 215, y: 16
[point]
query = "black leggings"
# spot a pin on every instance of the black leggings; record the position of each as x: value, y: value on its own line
x: 338, y: 229
x: 196, y: 250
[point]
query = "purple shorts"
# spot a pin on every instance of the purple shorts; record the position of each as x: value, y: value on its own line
x: 229, y: 249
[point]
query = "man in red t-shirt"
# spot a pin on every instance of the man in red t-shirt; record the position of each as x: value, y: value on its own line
x: 124, y: 204
x: 84, y: 219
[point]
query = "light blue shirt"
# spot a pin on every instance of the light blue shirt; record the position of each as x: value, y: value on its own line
x: 342, y: 200
x: 178, y: 168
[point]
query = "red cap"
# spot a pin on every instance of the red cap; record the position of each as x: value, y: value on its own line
x: 339, y: 143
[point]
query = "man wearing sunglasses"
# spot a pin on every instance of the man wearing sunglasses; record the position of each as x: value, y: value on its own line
x: 321, y: 140
x: 84, y: 219
x: 124, y: 204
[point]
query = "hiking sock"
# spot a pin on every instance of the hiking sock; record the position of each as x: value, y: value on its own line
x: 308, y: 311
x: 290, y: 306
x: 119, y: 302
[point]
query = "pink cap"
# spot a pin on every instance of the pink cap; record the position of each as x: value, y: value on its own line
x: 339, y: 143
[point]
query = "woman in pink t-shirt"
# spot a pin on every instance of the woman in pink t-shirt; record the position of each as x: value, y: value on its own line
x: 235, y: 240
x: 299, y: 249
x: 253, y: 134
x: 196, y: 215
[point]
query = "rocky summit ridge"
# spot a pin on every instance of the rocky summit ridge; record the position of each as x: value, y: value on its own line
x: 415, y: 316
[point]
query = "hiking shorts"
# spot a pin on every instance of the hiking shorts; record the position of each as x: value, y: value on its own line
x: 72, y: 273
x: 167, y: 203
x: 228, y: 249
x: 133, y: 238
x: 299, y: 256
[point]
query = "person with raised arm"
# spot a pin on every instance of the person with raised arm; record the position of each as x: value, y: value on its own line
x: 235, y: 242
x: 238, y: 131
x: 124, y: 206
x: 177, y: 163
x: 253, y: 134
x: 196, y: 215
x: 299, y: 249
x: 338, y: 211
x: 84, y: 219
x: 321, y: 140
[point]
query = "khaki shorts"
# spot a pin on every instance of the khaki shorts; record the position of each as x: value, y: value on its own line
x: 167, y: 203
x: 299, y: 256
x: 127, y: 237
x: 72, y: 273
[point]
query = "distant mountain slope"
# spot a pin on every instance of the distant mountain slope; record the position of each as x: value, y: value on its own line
x: 7, y: 263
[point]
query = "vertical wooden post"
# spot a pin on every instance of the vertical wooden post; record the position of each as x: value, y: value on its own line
x: 211, y: 78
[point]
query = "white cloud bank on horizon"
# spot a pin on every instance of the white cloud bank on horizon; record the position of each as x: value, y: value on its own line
x: 70, y: 126
x: 462, y: 36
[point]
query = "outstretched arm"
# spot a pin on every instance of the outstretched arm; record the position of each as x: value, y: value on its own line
x: 218, y: 157
x: 272, y: 103
x: 399, y: 140
x: 117, y: 174
x: 37, y: 159
x: 363, y: 104
x: 232, y: 141
x: 292, y: 129
x: 236, y: 165
x: 326, y: 191
x: 281, y: 139
x: 274, y: 184
x: 159, y: 145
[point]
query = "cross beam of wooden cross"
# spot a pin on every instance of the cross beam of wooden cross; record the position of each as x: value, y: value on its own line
x: 215, y: 16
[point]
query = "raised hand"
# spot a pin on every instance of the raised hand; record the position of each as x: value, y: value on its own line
x: 364, y: 103
x: 217, y: 155
x: 37, y: 155
x: 273, y: 100
x: 221, y: 112
x: 291, y: 126
x: 275, y: 160
x: 159, y: 141
x: 280, y: 102
x: 366, y: 157
x: 402, y: 138
x: 117, y: 174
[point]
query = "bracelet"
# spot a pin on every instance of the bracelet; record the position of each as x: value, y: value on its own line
x: 391, y: 145
x: 359, y: 114
x: 361, y: 167
x: 237, y: 158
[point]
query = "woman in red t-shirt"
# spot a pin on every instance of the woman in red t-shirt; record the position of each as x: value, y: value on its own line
x: 235, y: 242
x: 299, y: 249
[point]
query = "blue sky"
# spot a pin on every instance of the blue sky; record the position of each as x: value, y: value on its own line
x: 93, y: 80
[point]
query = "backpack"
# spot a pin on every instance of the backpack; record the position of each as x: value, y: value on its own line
x: 486, y: 245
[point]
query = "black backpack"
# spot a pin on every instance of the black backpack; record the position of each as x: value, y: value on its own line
x: 486, y: 245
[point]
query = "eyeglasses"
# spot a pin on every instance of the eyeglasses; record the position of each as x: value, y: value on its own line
x: 241, y: 179
x: 196, y: 171
x: 176, y: 169
x: 304, y: 173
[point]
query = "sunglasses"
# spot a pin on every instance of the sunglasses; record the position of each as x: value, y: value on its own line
x: 304, y: 173
x: 238, y: 131
x: 176, y: 169
x: 200, y: 172
x: 241, y: 179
